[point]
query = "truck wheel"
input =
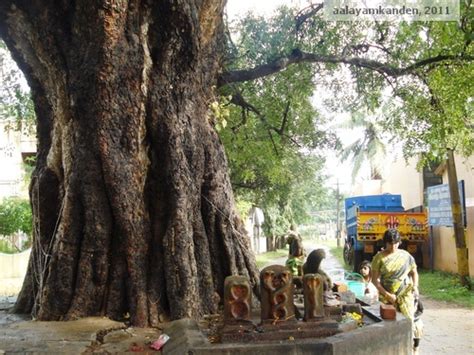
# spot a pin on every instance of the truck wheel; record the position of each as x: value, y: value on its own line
x: 348, y: 254
x: 357, y: 259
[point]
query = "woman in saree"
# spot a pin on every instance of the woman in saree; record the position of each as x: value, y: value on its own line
x: 395, y: 276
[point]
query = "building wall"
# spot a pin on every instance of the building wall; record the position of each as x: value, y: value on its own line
x: 367, y: 187
x: 399, y: 178
x: 402, y: 178
x: 12, y: 145
x: 12, y: 272
x: 14, y: 265
x: 444, y: 247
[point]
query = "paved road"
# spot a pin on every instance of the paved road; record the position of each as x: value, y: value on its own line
x: 448, y: 329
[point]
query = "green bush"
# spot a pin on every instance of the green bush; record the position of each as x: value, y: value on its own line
x: 15, y: 216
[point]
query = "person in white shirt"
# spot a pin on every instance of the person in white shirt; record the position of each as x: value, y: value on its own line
x: 365, y: 269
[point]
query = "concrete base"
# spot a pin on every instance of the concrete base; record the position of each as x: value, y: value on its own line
x: 101, y: 335
x: 19, y: 335
x: 392, y: 337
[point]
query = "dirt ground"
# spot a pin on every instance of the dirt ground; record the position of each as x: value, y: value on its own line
x: 447, y: 329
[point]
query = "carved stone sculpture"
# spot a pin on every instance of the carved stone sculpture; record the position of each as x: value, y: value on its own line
x: 313, y: 266
x: 276, y: 287
x: 237, y: 299
x: 313, y: 297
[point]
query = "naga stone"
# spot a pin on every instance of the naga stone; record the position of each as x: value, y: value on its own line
x: 237, y: 299
x: 276, y: 288
x: 313, y: 285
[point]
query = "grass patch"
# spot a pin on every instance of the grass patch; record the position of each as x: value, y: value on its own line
x: 443, y: 286
x: 265, y: 258
x: 338, y: 254
x: 7, y: 248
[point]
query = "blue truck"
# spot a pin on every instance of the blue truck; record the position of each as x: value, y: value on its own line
x: 368, y: 217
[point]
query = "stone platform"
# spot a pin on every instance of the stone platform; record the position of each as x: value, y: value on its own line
x: 100, y: 335
x: 379, y: 337
x: 20, y: 335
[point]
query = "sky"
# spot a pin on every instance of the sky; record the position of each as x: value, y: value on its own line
x: 262, y: 7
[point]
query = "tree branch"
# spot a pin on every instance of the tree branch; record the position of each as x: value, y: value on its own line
x: 298, y: 56
x: 237, y: 99
x: 285, y: 118
x: 306, y: 13
x: 275, y: 148
x: 253, y: 185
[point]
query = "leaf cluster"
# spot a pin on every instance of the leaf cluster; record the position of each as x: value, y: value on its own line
x: 434, y: 111
x: 15, y: 215
x: 16, y: 105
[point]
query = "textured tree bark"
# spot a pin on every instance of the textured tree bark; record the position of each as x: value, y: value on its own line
x: 131, y: 199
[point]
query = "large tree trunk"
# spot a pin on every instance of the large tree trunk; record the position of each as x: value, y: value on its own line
x: 132, y: 204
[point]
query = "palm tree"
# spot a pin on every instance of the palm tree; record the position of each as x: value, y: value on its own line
x: 370, y: 147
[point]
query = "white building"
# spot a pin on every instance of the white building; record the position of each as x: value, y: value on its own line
x: 254, y: 227
x: 15, y: 148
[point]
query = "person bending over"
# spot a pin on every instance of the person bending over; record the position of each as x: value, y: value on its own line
x: 395, y: 276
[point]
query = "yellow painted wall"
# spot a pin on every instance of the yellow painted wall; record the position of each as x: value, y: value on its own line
x: 444, y: 247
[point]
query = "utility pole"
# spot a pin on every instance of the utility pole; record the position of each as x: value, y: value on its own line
x: 338, y: 211
x: 460, y: 237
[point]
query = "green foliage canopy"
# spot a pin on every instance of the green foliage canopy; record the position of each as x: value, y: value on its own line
x: 435, y: 110
x: 273, y: 134
x: 393, y: 71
